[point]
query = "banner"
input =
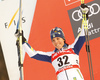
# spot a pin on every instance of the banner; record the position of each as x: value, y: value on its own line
x: 58, y: 13
x: 94, y: 27
x: 9, y: 16
x: 38, y: 18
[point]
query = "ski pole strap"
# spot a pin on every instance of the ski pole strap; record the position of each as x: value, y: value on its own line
x: 84, y: 18
x: 21, y: 65
x: 82, y: 1
x: 20, y: 34
x: 87, y: 48
x: 85, y: 22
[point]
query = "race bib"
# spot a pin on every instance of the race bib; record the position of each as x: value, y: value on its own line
x: 64, y: 59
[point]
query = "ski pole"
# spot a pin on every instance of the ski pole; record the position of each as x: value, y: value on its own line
x: 88, y: 47
x: 84, y: 22
x: 19, y: 42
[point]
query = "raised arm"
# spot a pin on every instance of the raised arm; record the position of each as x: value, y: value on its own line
x: 79, y: 41
x: 39, y: 55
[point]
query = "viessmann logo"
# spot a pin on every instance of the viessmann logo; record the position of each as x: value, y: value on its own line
x: 94, y: 24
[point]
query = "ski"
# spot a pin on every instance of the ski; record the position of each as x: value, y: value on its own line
x: 19, y: 42
x: 84, y: 22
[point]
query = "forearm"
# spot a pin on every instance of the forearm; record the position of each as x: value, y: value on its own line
x: 79, y: 41
x: 30, y: 51
x: 38, y: 55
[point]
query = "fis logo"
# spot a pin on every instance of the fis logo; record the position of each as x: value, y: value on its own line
x: 70, y: 2
x: 7, y: 25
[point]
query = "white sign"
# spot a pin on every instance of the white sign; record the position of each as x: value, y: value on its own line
x: 9, y: 15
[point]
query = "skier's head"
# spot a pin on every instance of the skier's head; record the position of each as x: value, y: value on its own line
x: 57, y: 37
x: 57, y: 32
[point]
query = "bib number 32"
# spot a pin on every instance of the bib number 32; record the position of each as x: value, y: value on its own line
x: 63, y: 61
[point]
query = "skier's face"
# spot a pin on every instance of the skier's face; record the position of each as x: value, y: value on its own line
x: 58, y: 42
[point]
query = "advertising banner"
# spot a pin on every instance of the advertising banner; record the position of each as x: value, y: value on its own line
x: 9, y: 16
x: 38, y: 18
x: 64, y: 14
x: 93, y: 26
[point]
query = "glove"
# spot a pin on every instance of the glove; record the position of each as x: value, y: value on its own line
x: 17, y: 34
x: 85, y: 9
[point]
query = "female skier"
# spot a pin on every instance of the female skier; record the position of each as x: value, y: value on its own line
x: 65, y: 58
